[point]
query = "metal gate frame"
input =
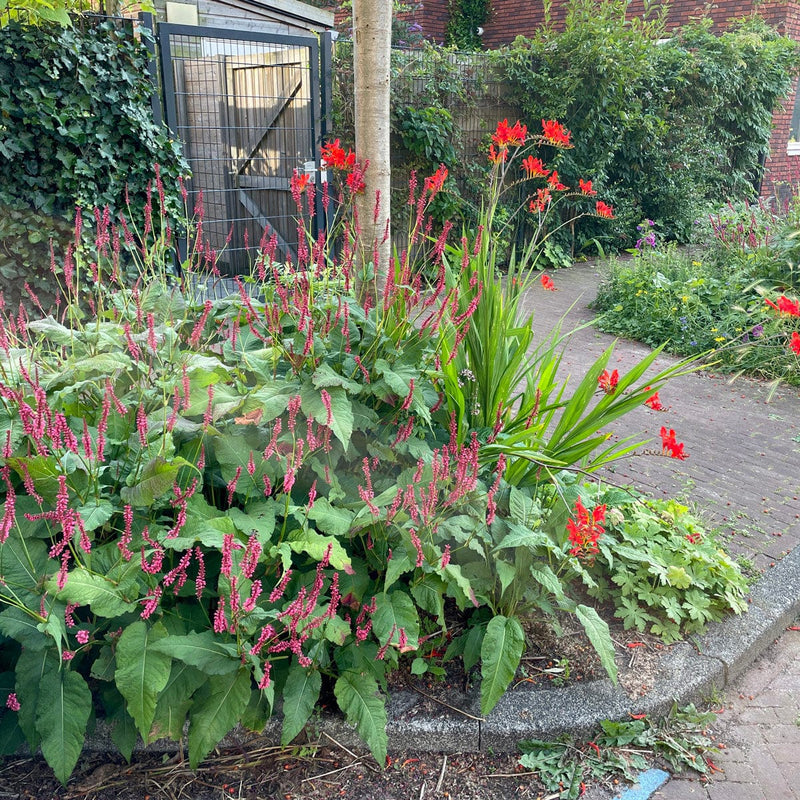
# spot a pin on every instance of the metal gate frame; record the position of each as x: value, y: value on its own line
x: 320, y: 51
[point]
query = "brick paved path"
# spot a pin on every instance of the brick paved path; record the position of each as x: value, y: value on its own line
x: 743, y: 471
x: 761, y: 730
x: 743, y: 475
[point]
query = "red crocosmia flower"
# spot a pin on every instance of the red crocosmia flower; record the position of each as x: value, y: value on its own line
x: 496, y: 156
x: 586, y: 187
x: 510, y: 135
x: 585, y: 529
x: 436, y: 181
x: 670, y: 446
x: 534, y: 167
x: 541, y: 201
x: 555, y: 132
x: 335, y: 156
x: 547, y: 283
x: 785, y: 306
x: 654, y: 402
x: 608, y: 381
x: 794, y: 344
x: 300, y: 182
x: 555, y: 183
x: 604, y: 210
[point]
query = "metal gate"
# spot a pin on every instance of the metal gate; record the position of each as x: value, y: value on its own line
x: 248, y: 108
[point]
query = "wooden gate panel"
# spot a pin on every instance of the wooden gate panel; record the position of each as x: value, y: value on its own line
x: 246, y: 107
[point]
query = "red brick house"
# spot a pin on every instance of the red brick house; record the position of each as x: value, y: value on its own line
x: 511, y: 18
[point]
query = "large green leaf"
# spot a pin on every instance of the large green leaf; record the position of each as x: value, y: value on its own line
x: 141, y: 672
x: 88, y: 589
x: 156, y: 479
x: 324, y: 377
x: 521, y: 536
x: 458, y: 585
x: 300, y: 695
x: 271, y: 399
x: 399, y: 565
x: 393, y: 612
x: 315, y: 545
x: 24, y: 627
x: 600, y: 637
x: 124, y: 733
x: 95, y: 514
x: 217, y: 708
x: 175, y: 701
x: 259, y: 517
x: 233, y: 450
x: 43, y: 470
x: 341, y: 410
x: 209, y: 532
x: 331, y: 519
x: 31, y: 666
x: 501, y: 651
x: 62, y: 711
x: 363, y: 706
x: 201, y: 650
x: 429, y: 594
x: 545, y: 576
x: 523, y: 509
x: 52, y: 330
x: 226, y: 398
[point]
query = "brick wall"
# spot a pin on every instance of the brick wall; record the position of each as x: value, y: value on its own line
x: 782, y: 174
x: 434, y: 17
x: 511, y: 18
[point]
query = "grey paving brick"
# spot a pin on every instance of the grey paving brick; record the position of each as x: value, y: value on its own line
x: 772, y: 699
x: 783, y: 734
x: 785, y: 753
x: 735, y: 791
x: 759, y: 716
x: 790, y: 713
x: 769, y: 777
x: 678, y: 790
x: 736, y: 771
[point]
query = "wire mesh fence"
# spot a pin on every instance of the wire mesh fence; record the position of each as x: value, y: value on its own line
x: 467, y: 84
x: 244, y: 106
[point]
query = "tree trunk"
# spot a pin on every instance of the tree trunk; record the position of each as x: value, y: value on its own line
x: 372, y: 36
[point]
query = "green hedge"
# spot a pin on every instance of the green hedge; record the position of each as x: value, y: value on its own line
x: 663, y: 122
x: 77, y: 129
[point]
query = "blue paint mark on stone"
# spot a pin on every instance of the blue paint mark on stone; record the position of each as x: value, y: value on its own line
x: 644, y: 787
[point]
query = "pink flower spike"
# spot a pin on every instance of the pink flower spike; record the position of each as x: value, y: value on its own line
x: 12, y: 703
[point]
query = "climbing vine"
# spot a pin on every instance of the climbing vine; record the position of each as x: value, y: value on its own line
x: 466, y: 16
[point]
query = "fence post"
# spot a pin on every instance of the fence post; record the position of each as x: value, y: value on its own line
x: 148, y: 26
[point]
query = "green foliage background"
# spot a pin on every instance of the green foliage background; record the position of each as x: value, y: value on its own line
x: 663, y: 122
x: 77, y: 129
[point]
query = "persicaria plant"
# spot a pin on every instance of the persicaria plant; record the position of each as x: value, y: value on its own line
x: 212, y: 506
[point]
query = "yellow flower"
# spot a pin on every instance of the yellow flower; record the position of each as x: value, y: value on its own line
x: 697, y: 263
x: 713, y: 330
x: 685, y: 298
x: 719, y: 339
